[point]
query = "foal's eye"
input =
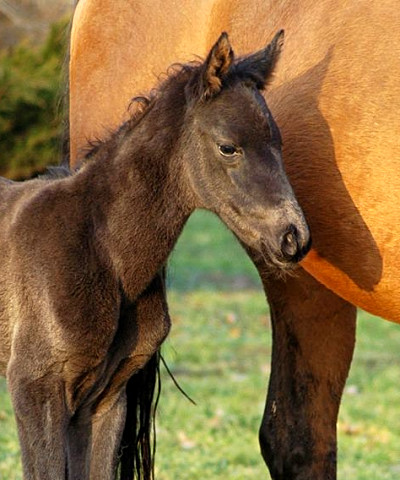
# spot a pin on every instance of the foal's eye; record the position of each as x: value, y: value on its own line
x: 228, y: 150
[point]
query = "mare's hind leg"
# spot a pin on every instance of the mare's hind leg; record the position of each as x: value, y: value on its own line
x: 313, y: 342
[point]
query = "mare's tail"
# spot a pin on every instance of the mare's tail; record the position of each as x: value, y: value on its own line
x: 138, y: 441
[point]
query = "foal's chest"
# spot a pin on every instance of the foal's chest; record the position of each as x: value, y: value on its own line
x: 142, y: 327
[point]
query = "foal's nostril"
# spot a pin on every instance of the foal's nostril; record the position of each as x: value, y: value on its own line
x: 289, y: 245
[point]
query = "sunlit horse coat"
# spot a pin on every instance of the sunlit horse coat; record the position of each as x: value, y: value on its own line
x: 336, y: 98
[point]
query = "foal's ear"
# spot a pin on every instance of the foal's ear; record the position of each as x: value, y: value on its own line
x: 216, y: 66
x: 259, y: 67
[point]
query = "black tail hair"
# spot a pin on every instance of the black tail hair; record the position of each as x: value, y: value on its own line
x: 138, y: 442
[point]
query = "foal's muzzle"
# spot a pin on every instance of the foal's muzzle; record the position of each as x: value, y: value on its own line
x: 291, y: 246
x: 295, y: 245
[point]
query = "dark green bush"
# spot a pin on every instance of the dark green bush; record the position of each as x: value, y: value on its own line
x: 31, y: 92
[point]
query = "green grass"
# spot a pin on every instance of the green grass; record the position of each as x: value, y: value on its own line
x: 219, y: 350
x: 208, y: 257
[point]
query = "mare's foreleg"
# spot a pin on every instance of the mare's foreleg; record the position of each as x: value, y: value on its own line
x: 313, y: 342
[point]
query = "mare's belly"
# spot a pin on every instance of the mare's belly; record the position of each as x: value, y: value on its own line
x: 383, y: 300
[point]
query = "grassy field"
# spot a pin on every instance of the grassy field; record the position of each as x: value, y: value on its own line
x: 219, y: 350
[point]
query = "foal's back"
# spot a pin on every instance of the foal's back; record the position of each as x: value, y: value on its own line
x: 36, y: 226
x: 26, y: 207
x: 14, y: 198
x: 17, y: 199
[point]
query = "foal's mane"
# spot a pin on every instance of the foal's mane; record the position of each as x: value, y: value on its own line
x: 170, y: 84
x: 179, y: 85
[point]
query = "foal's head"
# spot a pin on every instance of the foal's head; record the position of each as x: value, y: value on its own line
x: 232, y: 153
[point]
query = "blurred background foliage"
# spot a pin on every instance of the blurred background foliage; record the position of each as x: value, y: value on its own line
x: 32, y: 88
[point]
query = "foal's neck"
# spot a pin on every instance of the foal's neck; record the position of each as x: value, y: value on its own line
x: 139, y: 206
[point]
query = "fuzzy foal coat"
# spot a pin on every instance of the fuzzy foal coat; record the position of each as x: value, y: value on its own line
x: 82, y: 303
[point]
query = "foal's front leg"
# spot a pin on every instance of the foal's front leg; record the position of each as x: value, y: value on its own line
x: 151, y: 322
x: 39, y: 407
x: 94, y: 440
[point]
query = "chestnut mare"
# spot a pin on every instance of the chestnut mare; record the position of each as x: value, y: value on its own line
x: 336, y: 99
